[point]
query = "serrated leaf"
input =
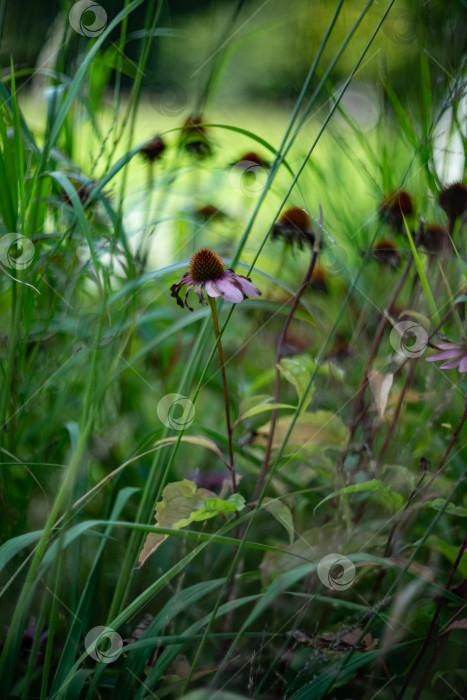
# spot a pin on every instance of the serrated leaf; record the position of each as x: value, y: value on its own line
x: 282, y: 513
x: 183, y: 503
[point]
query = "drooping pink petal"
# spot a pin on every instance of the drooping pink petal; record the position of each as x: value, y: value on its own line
x: 452, y: 364
x: 445, y: 355
x: 229, y: 291
x: 211, y: 289
x: 448, y: 346
x: 463, y: 365
x: 248, y: 286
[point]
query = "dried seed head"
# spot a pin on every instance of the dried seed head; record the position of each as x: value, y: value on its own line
x: 435, y: 238
x: 206, y: 265
x: 453, y: 199
x: 153, y: 149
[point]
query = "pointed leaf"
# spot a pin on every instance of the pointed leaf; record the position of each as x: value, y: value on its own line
x: 380, y: 385
x: 183, y: 503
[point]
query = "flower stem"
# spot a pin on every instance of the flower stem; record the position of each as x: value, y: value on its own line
x: 215, y: 323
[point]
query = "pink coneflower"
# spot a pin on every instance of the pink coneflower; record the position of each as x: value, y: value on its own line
x: 454, y: 353
x: 207, y: 272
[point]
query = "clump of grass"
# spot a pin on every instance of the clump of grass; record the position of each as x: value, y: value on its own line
x: 324, y: 555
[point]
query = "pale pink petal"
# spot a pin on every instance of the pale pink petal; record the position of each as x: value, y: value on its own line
x: 248, y: 286
x: 463, y: 365
x: 450, y: 365
x: 445, y: 355
x: 229, y: 291
x: 211, y: 289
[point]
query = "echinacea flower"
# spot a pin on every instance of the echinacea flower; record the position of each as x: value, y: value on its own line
x: 194, y: 138
x: 207, y: 272
x: 435, y: 238
x: 294, y: 227
x: 210, y: 212
x: 249, y: 159
x: 453, y: 199
x: 454, y: 353
x: 386, y: 253
x: 153, y: 149
x: 395, y: 207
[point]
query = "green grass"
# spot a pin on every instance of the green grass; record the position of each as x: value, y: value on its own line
x: 237, y: 601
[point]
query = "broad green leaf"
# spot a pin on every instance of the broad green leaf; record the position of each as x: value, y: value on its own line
x: 297, y: 371
x: 319, y: 430
x: 438, y: 504
x: 183, y: 503
x: 386, y: 495
x: 282, y: 514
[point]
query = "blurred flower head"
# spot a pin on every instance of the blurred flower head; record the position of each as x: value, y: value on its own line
x: 395, y: 207
x: 193, y: 137
x: 153, y: 149
x: 210, y: 212
x: 385, y: 252
x: 294, y: 227
x: 83, y: 190
x: 251, y: 158
x: 319, y: 280
x: 453, y: 199
x: 435, y: 238
x: 453, y: 355
x: 207, y: 273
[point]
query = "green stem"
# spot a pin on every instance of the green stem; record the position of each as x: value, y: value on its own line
x: 215, y: 323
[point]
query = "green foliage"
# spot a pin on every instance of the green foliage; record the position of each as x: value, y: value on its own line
x: 328, y: 502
